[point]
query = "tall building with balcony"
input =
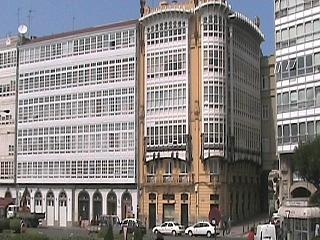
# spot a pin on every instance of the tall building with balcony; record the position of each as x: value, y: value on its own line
x: 297, y: 27
x: 76, y: 155
x: 199, y: 112
x: 270, y: 163
x: 8, y: 60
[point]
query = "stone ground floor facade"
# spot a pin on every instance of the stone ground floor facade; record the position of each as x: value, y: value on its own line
x: 235, y: 192
x: 66, y: 205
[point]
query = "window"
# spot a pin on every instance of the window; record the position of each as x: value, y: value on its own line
x: 317, y: 62
x: 292, y: 67
x: 310, y: 129
x: 302, y: 132
x: 301, y: 98
x: 301, y: 65
x: 294, y: 132
x: 317, y: 91
x: 285, y: 101
x: 309, y: 65
x: 293, y: 99
x: 265, y: 112
x: 310, y: 97
x: 286, y: 133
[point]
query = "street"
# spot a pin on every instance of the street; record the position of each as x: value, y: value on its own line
x: 62, y: 233
x: 185, y: 237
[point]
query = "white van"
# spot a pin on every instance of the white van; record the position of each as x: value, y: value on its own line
x: 12, y: 210
x: 266, y: 232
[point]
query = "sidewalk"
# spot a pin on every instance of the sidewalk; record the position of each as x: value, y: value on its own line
x: 241, y: 229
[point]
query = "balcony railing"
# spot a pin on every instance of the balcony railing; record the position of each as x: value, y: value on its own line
x: 182, y: 178
x: 151, y: 178
x: 167, y: 178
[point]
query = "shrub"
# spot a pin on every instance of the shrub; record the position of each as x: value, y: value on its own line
x: 32, y: 236
x: 109, y: 235
x: 15, y: 225
x: 4, y: 224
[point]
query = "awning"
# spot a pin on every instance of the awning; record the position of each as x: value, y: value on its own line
x: 299, y: 212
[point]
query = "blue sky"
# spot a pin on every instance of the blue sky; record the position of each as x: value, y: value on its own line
x: 56, y: 16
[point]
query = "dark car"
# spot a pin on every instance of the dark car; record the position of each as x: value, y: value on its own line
x: 132, y: 224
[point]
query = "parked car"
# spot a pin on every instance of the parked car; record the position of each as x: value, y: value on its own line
x: 169, y: 228
x: 201, y: 228
x: 132, y: 224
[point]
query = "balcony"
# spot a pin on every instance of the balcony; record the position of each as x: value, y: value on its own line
x: 151, y: 178
x: 167, y: 178
x: 163, y: 179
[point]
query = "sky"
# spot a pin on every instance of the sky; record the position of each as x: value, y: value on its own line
x: 56, y: 16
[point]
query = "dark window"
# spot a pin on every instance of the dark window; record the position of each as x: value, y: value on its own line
x: 168, y: 196
x: 152, y: 196
x: 214, y: 197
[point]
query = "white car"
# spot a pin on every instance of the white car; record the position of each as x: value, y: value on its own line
x: 201, y: 228
x: 169, y: 228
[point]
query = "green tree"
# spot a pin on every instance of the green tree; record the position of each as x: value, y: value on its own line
x: 306, y: 161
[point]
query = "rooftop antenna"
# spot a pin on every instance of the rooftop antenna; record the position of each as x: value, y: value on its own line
x: 18, y: 13
x: 142, y: 5
x: 73, y: 21
x: 30, y: 20
x: 22, y: 29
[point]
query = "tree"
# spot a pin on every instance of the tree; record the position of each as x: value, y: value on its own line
x: 306, y: 161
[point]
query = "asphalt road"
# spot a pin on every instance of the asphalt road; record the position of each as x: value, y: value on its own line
x: 62, y: 233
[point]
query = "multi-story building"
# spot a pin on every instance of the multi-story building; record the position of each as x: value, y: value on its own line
x: 268, y: 133
x: 8, y: 62
x: 76, y: 155
x: 297, y: 27
x: 199, y: 112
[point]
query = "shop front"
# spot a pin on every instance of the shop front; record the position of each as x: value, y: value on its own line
x: 300, y: 219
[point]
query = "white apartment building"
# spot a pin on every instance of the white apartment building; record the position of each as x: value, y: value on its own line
x: 7, y: 113
x: 297, y: 26
x: 76, y: 155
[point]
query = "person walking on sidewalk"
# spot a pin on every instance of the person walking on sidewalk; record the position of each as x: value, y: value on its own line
x: 251, y: 234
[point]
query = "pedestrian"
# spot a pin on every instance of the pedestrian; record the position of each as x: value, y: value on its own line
x: 251, y: 234
x: 224, y: 227
x: 229, y: 225
x: 317, y: 229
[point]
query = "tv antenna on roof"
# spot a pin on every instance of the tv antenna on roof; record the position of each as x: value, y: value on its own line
x: 22, y: 29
